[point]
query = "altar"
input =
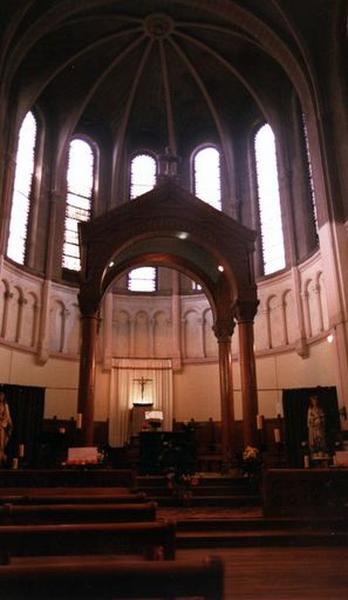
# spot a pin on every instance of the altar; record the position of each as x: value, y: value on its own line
x: 164, y: 451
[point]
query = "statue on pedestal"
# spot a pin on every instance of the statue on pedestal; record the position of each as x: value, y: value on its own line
x: 5, y: 427
x: 316, y: 426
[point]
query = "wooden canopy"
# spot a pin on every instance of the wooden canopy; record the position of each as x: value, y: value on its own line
x: 170, y: 227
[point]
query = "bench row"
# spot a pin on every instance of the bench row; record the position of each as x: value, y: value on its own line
x: 114, y: 579
x: 76, y: 513
x: 151, y: 540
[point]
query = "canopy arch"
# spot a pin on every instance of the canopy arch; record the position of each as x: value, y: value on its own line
x: 170, y: 227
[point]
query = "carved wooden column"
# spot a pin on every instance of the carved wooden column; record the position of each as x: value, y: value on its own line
x: 245, y: 312
x: 107, y: 331
x: 223, y: 331
x: 176, y: 322
x: 87, y: 376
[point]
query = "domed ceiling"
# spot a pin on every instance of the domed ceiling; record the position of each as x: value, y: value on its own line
x: 151, y: 71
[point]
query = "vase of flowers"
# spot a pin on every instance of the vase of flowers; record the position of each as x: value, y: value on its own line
x: 181, y: 486
x: 251, y: 462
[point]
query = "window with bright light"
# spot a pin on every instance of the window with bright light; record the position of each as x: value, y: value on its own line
x: 25, y: 166
x: 80, y: 184
x: 310, y: 176
x: 196, y: 287
x: 207, y: 176
x: 143, y: 175
x: 143, y: 179
x: 142, y: 279
x: 269, y: 201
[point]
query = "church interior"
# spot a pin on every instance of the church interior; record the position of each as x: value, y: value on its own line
x: 173, y: 299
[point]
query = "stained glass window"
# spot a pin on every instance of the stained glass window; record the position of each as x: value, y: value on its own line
x: 310, y: 175
x: 143, y: 175
x: 80, y: 180
x: 269, y: 201
x: 142, y: 279
x: 25, y: 166
x: 207, y: 176
x: 143, y: 179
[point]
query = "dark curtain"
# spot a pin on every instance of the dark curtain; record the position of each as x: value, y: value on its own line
x: 295, y: 405
x: 26, y: 404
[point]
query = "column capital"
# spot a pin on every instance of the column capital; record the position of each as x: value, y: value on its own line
x: 90, y: 315
x: 89, y: 302
x: 245, y: 310
x: 223, y: 329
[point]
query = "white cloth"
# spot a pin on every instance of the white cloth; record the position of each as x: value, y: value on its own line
x: 125, y: 390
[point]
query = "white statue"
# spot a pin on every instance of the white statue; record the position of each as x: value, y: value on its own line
x: 316, y: 425
x: 5, y: 427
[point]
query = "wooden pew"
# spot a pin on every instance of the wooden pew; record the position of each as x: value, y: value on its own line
x: 68, y: 498
x: 90, y: 538
x: 111, y: 579
x: 76, y: 513
x: 73, y: 477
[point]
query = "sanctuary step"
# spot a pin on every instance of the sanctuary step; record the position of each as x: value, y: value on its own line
x: 259, y: 531
x: 208, y: 491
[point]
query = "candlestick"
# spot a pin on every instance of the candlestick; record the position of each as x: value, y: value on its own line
x: 259, y: 421
x: 79, y: 421
x: 21, y: 451
x: 276, y: 435
x: 15, y: 463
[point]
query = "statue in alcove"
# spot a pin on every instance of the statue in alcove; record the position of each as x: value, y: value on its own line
x: 5, y: 427
x: 316, y: 425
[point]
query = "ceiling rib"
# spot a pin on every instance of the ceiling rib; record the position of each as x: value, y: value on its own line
x: 168, y: 100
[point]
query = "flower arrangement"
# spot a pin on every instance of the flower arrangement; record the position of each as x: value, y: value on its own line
x: 181, y: 485
x: 251, y: 462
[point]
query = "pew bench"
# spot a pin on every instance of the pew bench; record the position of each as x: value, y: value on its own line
x: 112, y: 579
x: 88, y: 538
x: 68, y: 498
x: 74, y: 477
x: 76, y: 513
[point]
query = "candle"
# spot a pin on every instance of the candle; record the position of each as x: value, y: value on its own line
x: 21, y: 451
x: 15, y: 463
x: 259, y: 421
x: 276, y: 435
x: 79, y: 421
x: 306, y: 461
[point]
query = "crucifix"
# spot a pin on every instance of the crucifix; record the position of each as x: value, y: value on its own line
x: 142, y: 382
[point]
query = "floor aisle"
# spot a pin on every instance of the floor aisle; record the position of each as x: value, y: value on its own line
x: 282, y: 573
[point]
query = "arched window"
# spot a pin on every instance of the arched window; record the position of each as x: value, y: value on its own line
x: 207, y: 176
x: 80, y: 186
x: 310, y: 177
x: 143, y: 179
x: 269, y: 202
x: 142, y: 279
x: 143, y: 175
x: 21, y: 200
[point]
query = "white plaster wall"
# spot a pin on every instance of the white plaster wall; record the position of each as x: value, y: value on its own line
x: 196, y: 393
x: 143, y: 326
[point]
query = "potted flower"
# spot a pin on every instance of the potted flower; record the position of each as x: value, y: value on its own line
x: 181, y: 485
x: 251, y: 462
